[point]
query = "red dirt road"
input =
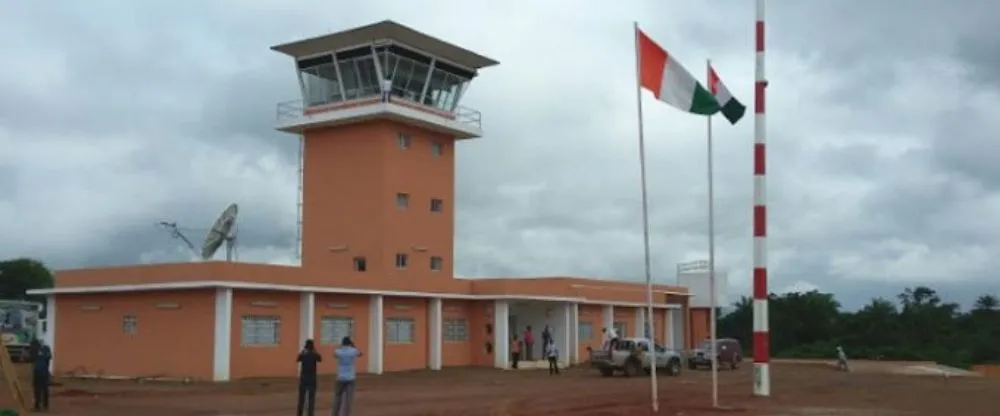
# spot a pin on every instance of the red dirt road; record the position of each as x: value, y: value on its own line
x: 798, y: 390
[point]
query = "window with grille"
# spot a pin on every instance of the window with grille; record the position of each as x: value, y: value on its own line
x: 333, y: 329
x: 130, y: 324
x: 456, y: 330
x: 399, y: 331
x: 436, y: 263
x: 585, y: 332
x: 258, y: 330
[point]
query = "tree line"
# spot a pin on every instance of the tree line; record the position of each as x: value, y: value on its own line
x: 918, y: 326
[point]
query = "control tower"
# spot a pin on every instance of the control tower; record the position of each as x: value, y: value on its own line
x: 379, y: 117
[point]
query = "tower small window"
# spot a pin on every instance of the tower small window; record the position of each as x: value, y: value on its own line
x: 130, y: 324
x: 436, y: 205
x: 437, y: 149
x: 436, y: 263
x: 402, y: 260
x: 360, y: 264
x: 404, y: 140
x: 402, y: 200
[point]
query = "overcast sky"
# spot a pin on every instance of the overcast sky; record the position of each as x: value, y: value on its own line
x: 883, y: 153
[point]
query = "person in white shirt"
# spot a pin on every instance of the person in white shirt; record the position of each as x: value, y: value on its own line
x: 610, y: 338
x: 386, y: 90
x: 552, y: 354
x: 842, y: 360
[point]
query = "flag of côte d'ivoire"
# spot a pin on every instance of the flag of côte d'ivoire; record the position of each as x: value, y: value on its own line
x: 673, y: 84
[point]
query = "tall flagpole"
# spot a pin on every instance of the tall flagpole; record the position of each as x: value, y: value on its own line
x: 761, y: 331
x: 711, y: 252
x: 645, y: 214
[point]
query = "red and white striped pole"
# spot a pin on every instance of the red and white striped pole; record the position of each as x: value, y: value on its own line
x: 761, y: 332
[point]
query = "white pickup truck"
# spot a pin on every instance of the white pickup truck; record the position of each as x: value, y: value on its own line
x: 632, y: 356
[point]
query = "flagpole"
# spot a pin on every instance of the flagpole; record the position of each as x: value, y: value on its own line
x: 645, y: 215
x: 761, y: 329
x: 711, y: 252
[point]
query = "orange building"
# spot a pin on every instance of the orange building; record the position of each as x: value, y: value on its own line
x: 378, y: 219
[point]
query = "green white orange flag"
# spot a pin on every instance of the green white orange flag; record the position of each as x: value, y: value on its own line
x: 670, y: 82
x: 731, y: 108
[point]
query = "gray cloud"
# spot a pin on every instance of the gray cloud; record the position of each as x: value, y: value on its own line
x: 117, y: 115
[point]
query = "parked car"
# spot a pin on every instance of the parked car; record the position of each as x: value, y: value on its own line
x: 729, y: 354
x: 632, y: 356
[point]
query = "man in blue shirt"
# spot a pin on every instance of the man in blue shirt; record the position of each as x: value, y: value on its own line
x: 41, y: 356
x: 346, y: 355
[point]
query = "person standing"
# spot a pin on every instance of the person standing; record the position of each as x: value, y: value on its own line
x: 529, y: 342
x: 386, y: 90
x: 515, y: 351
x: 610, y: 338
x: 41, y: 357
x: 842, y: 360
x: 308, y: 359
x: 546, y: 335
x: 552, y: 354
x: 347, y: 355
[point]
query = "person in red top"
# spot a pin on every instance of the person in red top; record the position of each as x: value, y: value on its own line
x: 529, y: 342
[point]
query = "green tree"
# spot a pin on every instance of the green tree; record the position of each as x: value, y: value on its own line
x: 22, y: 274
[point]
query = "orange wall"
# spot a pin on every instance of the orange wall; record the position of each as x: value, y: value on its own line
x: 626, y: 314
x: 659, y: 320
x: 180, y: 341
x: 411, y: 356
x: 480, y: 314
x: 988, y: 370
x: 590, y: 314
x: 454, y: 354
x: 355, y: 307
x: 698, y: 325
x: 265, y: 361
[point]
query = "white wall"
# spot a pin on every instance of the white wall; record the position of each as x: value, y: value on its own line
x: 538, y: 314
x: 699, y: 284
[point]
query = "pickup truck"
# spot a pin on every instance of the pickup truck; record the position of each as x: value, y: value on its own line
x: 632, y: 356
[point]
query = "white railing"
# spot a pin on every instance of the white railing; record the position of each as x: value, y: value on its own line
x: 296, y: 108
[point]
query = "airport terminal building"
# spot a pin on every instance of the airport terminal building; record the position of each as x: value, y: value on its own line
x: 378, y: 121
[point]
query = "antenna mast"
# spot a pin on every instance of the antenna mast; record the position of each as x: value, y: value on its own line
x: 176, y: 234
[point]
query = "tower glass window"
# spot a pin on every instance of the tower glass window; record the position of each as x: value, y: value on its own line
x: 418, y: 78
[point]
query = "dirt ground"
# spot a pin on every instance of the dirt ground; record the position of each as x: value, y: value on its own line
x: 801, y: 388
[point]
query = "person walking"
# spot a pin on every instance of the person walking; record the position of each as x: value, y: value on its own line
x: 515, y: 351
x: 552, y: 353
x: 842, y: 360
x: 546, y: 335
x: 347, y: 355
x: 41, y: 357
x: 308, y: 359
x: 529, y: 342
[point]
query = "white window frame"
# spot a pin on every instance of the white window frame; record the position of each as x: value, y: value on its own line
x: 402, y: 260
x: 402, y: 200
x: 437, y: 203
x: 254, y: 331
x: 585, y: 332
x: 404, y: 141
x: 455, y: 330
x: 437, y: 149
x: 360, y: 264
x: 437, y: 263
x: 130, y: 324
x: 400, y: 331
x: 331, y: 329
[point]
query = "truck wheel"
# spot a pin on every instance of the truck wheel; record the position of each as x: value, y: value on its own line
x: 692, y: 365
x: 674, y: 367
x: 607, y: 372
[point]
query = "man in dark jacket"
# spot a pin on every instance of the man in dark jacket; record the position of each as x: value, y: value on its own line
x: 308, y: 358
x: 41, y: 357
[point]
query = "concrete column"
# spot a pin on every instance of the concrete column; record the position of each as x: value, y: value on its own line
x: 565, y: 345
x: 640, y: 323
x: 307, y: 316
x: 501, y: 334
x: 434, y: 333
x: 608, y: 318
x: 50, y: 329
x: 574, y: 326
x: 376, y: 334
x: 223, y: 336
x: 668, y: 337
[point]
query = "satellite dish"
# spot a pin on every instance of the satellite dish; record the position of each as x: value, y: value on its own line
x: 223, y: 231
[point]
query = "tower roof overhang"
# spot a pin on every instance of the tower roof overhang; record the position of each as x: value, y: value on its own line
x: 381, y: 31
